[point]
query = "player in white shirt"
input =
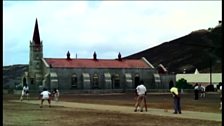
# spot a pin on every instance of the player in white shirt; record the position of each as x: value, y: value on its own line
x: 25, y: 91
x: 45, y: 95
x: 141, y: 97
x: 202, y: 91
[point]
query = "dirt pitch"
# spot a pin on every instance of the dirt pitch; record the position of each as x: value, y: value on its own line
x: 111, y: 110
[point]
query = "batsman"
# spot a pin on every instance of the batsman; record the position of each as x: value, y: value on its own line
x: 141, y: 97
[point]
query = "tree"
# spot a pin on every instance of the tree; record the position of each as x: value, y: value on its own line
x: 182, y: 84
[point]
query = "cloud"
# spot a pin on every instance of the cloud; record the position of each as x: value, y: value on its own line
x: 107, y: 27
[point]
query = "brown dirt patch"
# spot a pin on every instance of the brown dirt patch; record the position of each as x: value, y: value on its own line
x: 22, y: 114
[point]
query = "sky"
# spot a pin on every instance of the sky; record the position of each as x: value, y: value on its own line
x: 104, y: 27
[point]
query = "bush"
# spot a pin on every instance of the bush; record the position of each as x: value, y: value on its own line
x: 210, y: 88
x: 182, y: 84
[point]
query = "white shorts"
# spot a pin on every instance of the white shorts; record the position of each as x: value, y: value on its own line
x: 23, y: 93
x: 56, y: 95
x: 45, y: 98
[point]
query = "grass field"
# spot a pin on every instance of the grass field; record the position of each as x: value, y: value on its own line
x: 23, y: 114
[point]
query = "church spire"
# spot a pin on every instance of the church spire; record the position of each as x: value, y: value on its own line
x: 36, y: 35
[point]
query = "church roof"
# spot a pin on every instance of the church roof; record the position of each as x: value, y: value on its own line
x: 99, y: 63
x: 36, y: 35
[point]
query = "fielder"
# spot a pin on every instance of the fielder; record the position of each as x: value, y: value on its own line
x: 25, y: 91
x: 45, y: 95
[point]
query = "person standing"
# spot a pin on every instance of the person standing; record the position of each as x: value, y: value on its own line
x: 202, y: 91
x: 56, y: 94
x: 45, y: 95
x: 176, y: 97
x: 141, y: 97
x: 25, y: 91
x: 196, y: 91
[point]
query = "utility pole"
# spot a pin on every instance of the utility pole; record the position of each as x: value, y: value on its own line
x: 210, y: 63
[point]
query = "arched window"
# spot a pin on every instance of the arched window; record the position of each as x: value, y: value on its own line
x: 128, y: 80
x: 74, y: 81
x: 95, y: 81
x: 116, y: 81
x: 108, y: 81
x: 37, y: 65
x: 37, y: 56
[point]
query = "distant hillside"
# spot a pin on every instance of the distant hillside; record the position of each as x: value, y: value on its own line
x: 189, y: 52
x: 12, y: 75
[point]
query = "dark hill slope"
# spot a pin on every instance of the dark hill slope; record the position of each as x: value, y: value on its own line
x: 12, y: 75
x: 189, y: 52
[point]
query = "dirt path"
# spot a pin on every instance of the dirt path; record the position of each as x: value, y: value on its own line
x: 128, y: 109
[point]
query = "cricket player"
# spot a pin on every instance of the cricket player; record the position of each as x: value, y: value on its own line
x: 141, y: 97
x: 176, y: 97
x: 25, y: 91
x: 45, y: 95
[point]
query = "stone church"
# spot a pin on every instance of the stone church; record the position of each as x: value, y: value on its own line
x: 71, y: 74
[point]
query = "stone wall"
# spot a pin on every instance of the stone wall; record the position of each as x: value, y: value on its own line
x: 65, y: 77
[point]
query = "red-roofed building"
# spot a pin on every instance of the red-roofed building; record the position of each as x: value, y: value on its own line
x: 80, y: 74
